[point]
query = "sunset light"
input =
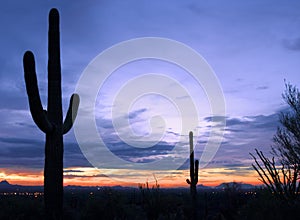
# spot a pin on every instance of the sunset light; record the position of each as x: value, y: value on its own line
x: 110, y: 108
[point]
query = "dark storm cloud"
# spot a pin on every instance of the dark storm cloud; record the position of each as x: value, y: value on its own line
x: 183, y: 97
x: 130, y: 153
x: 73, y: 171
x: 249, y: 122
x: 135, y: 114
x: 242, y: 135
x: 293, y: 44
x: 106, y: 125
x: 26, y: 152
x: 19, y: 141
x: 215, y: 118
x: 24, y: 125
x: 251, y: 128
x: 262, y: 87
x: 30, y: 153
x: 73, y: 156
x: 19, y: 152
x: 25, y: 163
x: 70, y: 176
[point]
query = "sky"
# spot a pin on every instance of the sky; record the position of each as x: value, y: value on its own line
x: 251, y: 47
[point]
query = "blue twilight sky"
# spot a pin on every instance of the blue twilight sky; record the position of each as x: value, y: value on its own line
x: 251, y: 46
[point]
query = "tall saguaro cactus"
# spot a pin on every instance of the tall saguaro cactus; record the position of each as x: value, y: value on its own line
x: 194, y: 167
x: 50, y: 121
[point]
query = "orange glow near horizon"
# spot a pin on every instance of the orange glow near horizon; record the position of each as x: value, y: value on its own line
x: 83, y: 176
x: 20, y: 177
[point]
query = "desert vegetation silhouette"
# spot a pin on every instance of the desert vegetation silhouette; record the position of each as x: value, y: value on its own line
x: 281, y: 173
x: 50, y: 121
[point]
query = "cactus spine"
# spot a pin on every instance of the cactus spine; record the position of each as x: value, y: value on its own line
x: 51, y: 121
x: 194, y: 167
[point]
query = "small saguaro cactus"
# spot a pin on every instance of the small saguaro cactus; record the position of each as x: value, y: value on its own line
x: 50, y: 121
x: 194, y: 167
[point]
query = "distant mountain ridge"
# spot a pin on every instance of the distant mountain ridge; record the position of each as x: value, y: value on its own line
x: 235, y: 185
x: 4, y: 183
x: 5, y: 186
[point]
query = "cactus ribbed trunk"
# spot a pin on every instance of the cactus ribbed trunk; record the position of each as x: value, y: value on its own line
x: 53, y: 170
x: 194, y: 168
x: 51, y: 121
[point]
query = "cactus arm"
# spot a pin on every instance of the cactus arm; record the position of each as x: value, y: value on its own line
x: 196, y: 171
x: 188, y: 181
x: 71, y: 114
x: 38, y: 114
